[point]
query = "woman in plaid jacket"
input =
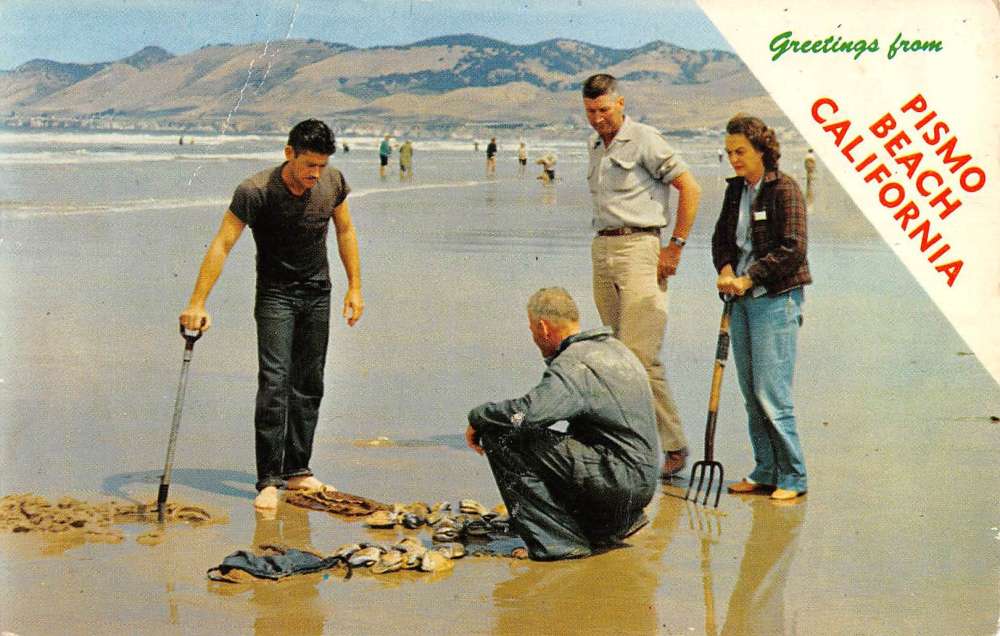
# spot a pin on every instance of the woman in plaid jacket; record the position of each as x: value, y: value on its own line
x: 759, y: 250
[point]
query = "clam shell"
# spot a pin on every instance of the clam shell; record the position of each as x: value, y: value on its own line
x: 472, y: 507
x: 389, y: 562
x: 381, y: 519
x: 412, y: 560
x: 364, y: 557
x: 434, y: 561
x: 346, y: 550
x: 438, y: 512
x: 409, y: 544
x: 446, y: 533
x: 452, y: 550
x: 477, y: 528
x: 418, y: 508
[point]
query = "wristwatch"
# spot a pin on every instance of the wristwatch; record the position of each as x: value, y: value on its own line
x: 678, y: 241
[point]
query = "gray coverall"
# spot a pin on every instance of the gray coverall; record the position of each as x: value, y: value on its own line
x: 569, y: 493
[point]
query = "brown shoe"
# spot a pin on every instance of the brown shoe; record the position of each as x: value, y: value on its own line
x: 748, y: 488
x: 674, y: 463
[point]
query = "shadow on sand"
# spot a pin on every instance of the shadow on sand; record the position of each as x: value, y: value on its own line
x: 221, y: 482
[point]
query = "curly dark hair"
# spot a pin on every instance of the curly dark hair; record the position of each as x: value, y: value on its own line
x: 763, y: 139
x: 311, y: 135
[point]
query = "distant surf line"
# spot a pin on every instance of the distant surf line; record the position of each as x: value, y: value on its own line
x: 423, y: 186
x: 90, y: 157
x: 24, y: 210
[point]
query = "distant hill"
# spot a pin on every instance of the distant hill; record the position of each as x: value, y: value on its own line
x: 37, y: 79
x: 443, y: 81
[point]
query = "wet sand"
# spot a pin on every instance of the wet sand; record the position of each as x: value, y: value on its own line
x: 897, y: 535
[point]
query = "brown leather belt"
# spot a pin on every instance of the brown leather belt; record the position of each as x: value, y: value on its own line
x: 625, y: 231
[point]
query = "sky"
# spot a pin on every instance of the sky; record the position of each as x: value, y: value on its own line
x: 87, y: 31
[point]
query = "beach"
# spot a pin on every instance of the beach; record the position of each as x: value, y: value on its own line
x: 101, y: 236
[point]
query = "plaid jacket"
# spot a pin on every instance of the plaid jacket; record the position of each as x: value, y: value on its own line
x: 779, y: 239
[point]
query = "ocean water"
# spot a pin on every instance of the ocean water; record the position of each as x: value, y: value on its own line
x: 101, y: 236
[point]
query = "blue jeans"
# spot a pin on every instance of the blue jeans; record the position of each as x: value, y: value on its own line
x: 764, y: 331
x: 293, y: 327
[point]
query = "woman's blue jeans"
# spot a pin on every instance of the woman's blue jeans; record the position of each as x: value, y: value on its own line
x: 293, y: 328
x: 764, y: 332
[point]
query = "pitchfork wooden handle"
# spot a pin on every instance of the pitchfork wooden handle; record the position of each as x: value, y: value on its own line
x: 721, y: 354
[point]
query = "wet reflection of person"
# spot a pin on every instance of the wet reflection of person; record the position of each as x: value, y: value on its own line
x: 757, y: 604
x: 542, y: 599
x: 290, y: 606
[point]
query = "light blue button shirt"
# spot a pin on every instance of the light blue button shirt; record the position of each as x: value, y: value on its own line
x: 744, y: 240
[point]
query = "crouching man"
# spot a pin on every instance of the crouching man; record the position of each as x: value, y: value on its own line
x: 571, y: 493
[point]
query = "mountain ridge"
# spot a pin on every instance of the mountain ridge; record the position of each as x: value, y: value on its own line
x: 447, y: 80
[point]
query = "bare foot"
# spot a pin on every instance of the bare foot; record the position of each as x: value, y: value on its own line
x: 267, y: 499
x: 307, y: 482
x: 519, y: 553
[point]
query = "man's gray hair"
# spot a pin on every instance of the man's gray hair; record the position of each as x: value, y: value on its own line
x: 553, y: 304
x: 600, y: 84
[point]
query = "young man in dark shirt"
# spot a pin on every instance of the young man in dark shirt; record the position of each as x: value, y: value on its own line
x: 288, y: 208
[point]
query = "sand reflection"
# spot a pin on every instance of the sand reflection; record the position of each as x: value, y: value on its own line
x: 757, y: 604
x: 614, y: 592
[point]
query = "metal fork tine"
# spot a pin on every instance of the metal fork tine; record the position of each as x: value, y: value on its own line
x: 708, y: 488
x: 687, y: 493
x: 718, y: 490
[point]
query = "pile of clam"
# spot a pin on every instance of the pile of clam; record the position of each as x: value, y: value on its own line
x: 448, y: 531
x: 408, y: 554
x: 472, y: 520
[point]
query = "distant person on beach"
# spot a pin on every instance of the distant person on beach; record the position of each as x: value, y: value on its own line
x: 522, y: 159
x: 810, y: 166
x: 572, y: 493
x: 632, y: 168
x: 548, y: 164
x: 406, y: 160
x: 288, y: 208
x: 491, y: 157
x: 347, y: 148
x: 384, y: 150
x: 759, y: 250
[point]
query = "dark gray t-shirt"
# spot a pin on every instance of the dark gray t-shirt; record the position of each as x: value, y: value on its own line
x: 290, y: 232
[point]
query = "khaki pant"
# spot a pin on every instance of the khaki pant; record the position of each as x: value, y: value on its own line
x: 631, y: 302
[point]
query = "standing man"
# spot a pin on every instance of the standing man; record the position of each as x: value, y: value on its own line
x: 630, y: 173
x: 491, y: 157
x: 288, y: 209
x: 571, y: 493
x: 384, y: 150
x: 522, y: 158
x: 810, y: 165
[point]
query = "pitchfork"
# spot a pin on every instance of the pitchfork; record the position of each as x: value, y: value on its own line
x: 708, y: 465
